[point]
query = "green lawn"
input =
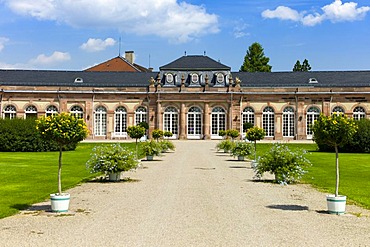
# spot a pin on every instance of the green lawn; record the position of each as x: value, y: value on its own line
x: 27, y: 178
x: 354, y: 172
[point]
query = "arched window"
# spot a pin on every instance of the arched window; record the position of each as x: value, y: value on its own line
x: 31, y: 112
x: 218, y: 117
x: 313, y: 113
x: 194, y: 122
x: 100, y: 121
x: 268, y: 121
x: 77, y: 111
x: 247, y: 116
x: 10, y: 112
x: 359, y: 113
x: 288, y: 122
x: 51, y: 110
x: 171, y: 120
x: 140, y: 115
x: 120, y: 121
x: 337, y: 110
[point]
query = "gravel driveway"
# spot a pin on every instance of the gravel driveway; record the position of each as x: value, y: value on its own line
x: 192, y: 197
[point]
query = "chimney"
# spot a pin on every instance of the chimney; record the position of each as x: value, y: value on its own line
x: 130, y: 56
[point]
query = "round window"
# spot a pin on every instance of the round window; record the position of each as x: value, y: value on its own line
x: 169, y: 78
x: 220, y: 78
x: 194, y: 78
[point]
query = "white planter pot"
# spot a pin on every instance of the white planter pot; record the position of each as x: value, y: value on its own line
x: 240, y: 158
x: 60, y: 203
x: 254, y: 164
x: 114, y: 177
x: 149, y: 157
x: 336, y: 204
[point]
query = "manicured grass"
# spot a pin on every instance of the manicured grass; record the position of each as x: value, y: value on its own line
x: 354, y: 172
x: 27, y: 178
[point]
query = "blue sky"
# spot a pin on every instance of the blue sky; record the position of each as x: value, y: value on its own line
x: 76, y: 34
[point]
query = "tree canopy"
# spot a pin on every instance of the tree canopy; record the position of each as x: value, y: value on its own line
x: 305, y: 66
x: 255, y: 60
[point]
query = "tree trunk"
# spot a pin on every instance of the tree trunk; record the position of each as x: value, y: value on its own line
x: 255, y: 151
x: 60, y: 170
x: 337, y: 170
x: 136, y: 148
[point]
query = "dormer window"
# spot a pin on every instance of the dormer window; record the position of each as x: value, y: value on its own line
x: 194, y: 78
x: 220, y: 78
x: 169, y: 78
x: 312, y: 80
x: 79, y: 80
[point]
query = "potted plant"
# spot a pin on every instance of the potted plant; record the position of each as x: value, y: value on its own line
x: 157, y: 134
x: 286, y: 165
x: 136, y: 132
x: 145, y: 125
x: 167, y: 134
x: 335, y: 130
x: 255, y: 134
x: 166, y: 145
x: 222, y: 133
x: 64, y: 129
x: 150, y: 149
x: 241, y: 149
x: 112, y: 160
x: 232, y: 133
x: 226, y: 145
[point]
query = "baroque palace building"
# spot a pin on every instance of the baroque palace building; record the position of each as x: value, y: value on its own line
x: 194, y: 97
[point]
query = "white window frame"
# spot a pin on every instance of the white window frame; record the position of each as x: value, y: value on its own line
x: 51, y: 110
x: 288, y: 122
x: 30, y: 111
x: 120, y: 122
x: 77, y: 111
x: 359, y: 113
x: 337, y: 110
x: 194, y: 123
x: 171, y: 121
x: 268, y: 121
x: 312, y: 114
x: 141, y: 115
x: 218, y: 122
x: 10, y: 111
x: 100, y: 121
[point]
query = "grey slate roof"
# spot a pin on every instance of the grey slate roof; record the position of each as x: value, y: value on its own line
x: 67, y: 78
x: 194, y: 62
x: 301, y: 79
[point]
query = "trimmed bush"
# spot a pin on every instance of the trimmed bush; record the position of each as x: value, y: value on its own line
x: 20, y: 135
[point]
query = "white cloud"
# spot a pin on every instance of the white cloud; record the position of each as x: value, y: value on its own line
x: 3, y: 40
x: 56, y: 57
x: 334, y: 12
x: 93, y: 45
x: 239, y: 29
x: 283, y: 13
x: 179, y: 22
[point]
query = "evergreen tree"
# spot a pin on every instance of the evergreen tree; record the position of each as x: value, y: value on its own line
x: 305, y: 66
x: 255, y: 60
x: 297, y: 66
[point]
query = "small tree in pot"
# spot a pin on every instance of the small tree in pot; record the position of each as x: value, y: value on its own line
x: 136, y: 132
x: 255, y: 134
x: 157, y: 134
x: 232, y: 133
x: 335, y: 131
x: 151, y: 148
x: 64, y: 129
x: 241, y: 149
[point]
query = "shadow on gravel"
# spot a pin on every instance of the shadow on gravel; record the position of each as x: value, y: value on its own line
x: 46, y: 208
x: 237, y: 167
x: 105, y: 180
x: 205, y: 168
x: 289, y: 207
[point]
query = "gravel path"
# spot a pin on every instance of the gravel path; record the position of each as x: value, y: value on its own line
x: 193, y: 197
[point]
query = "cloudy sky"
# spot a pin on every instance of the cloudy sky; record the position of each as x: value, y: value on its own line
x: 76, y: 34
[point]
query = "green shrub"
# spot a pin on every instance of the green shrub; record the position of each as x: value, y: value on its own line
x: 287, y: 165
x: 222, y: 133
x: 167, y: 134
x: 166, y: 145
x: 247, y: 126
x: 111, y: 158
x: 20, y: 135
x: 232, y: 133
x: 226, y: 145
x: 157, y: 134
x: 151, y: 148
x: 241, y: 148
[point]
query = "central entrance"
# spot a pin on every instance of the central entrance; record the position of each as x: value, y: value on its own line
x: 194, y: 130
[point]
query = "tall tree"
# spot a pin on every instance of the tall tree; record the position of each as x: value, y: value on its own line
x: 255, y: 60
x: 305, y: 66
